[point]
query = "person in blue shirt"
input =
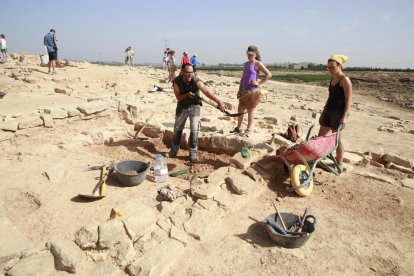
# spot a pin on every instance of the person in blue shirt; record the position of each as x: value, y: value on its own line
x: 50, y: 42
x: 194, y: 62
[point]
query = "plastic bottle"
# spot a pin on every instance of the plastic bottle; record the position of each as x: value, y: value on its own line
x: 160, y: 169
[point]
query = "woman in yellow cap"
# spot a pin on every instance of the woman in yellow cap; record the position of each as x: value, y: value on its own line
x: 337, y: 106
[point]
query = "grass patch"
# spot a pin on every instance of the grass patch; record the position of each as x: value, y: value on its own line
x: 302, y: 77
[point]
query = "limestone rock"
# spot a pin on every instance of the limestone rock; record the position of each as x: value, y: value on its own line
x: 158, y: 261
x: 68, y: 256
x: 352, y: 158
x: 87, y: 236
x: 281, y: 141
x: 38, y: 264
x: 202, y: 223
x: 105, y: 268
x: 57, y: 113
x: 47, y: 120
x: 403, y: 169
x: 242, y: 163
x: 93, y: 107
x: 4, y: 135
x: 72, y: 112
x: 390, y: 157
x: 408, y: 182
x: 30, y: 121
x: 111, y: 232
x: 179, y: 235
x: 12, y: 242
x: 240, y: 183
x: 125, y: 253
x: 137, y: 217
x: 61, y: 91
x: 9, y: 125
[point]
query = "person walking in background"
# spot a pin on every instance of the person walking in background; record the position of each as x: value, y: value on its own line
x: 172, y: 67
x: 3, y: 44
x: 249, y: 88
x: 187, y: 89
x: 50, y: 42
x: 336, y: 109
x: 185, y: 59
x: 165, y: 59
x: 128, y: 56
x: 194, y: 62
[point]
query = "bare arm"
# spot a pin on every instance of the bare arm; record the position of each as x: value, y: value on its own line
x: 181, y: 97
x: 211, y: 96
x: 265, y: 71
x: 347, y: 85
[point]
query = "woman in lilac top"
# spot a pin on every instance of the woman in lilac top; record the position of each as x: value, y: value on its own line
x: 249, y: 89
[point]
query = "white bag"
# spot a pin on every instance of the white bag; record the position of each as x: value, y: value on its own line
x: 45, y: 57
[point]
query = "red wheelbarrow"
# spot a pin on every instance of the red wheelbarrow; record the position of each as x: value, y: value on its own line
x: 302, y: 159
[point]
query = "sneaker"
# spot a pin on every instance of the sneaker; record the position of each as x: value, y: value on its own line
x: 172, y: 154
x: 193, y: 156
x: 340, y: 167
x: 235, y: 130
x: 245, y: 134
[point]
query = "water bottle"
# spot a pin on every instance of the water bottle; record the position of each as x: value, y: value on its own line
x: 160, y: 169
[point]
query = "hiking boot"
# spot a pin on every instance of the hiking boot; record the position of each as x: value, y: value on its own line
x: 172, y: 154
x: 193, y: 156
x: 236, y: 130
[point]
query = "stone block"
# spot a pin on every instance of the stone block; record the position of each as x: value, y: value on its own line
x: 57, y: 113
x: 125, y: 253
x: 9, y: 125
x: 93, y: 107
x: 138, y: 218
x: 403, y: 169
x: 242, y: 163
x: 111, y: 232
x: 408, y: 182
x: 158, y: 261
x: 47, y: 120
x: 280, y: 141
x: 68, y: 256
x: 37, y: 264
x: 87, y: 236
x: 240, y: 183
x: 179, y: 235
x: 402, y: 161
x: 5, y: 135
x: 12, y: 242
x: 352, y: 158
x: 30, y: 122
x: 72, y: 112
x: 202, y: 223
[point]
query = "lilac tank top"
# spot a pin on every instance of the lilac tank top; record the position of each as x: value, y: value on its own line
x: 249, y: 74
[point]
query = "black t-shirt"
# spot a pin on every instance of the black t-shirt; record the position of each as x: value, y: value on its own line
x: 187, y: 88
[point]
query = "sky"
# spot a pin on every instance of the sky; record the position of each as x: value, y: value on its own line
x: 373, y: 33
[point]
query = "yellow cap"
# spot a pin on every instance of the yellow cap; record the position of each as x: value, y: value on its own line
x: 341, y: 59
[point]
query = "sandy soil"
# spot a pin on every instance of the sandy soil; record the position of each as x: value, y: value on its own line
x: 364, y: 226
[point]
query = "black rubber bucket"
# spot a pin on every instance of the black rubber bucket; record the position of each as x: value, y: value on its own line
x: 286, y: 240
x: 131, y: 173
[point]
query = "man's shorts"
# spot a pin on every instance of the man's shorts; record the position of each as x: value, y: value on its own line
x: 52, y: 55
x: 330, y: 119
x: 4, y: 50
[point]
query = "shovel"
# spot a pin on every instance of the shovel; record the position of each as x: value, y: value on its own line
x: 225, y: 111
x: 142, y: 128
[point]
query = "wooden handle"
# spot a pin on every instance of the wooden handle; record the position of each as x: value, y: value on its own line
x: 145, y: 124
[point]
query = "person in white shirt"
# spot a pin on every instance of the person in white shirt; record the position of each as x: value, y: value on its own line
x: 128, y: 56
x: 3, y: 47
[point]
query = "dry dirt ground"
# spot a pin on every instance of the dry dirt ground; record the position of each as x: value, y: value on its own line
x: 364, y: 226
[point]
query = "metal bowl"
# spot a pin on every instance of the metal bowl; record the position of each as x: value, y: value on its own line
x: 131, y: 172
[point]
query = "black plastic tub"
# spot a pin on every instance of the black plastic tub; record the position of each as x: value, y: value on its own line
x: 131, y: 173
x: 286, y: 240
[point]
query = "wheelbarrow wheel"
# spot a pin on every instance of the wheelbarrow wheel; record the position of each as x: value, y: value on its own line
x: 299, y: 175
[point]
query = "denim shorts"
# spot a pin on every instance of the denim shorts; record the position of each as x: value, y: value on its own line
x: 52, y: 55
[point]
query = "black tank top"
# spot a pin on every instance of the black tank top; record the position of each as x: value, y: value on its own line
x: 336, y: 99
